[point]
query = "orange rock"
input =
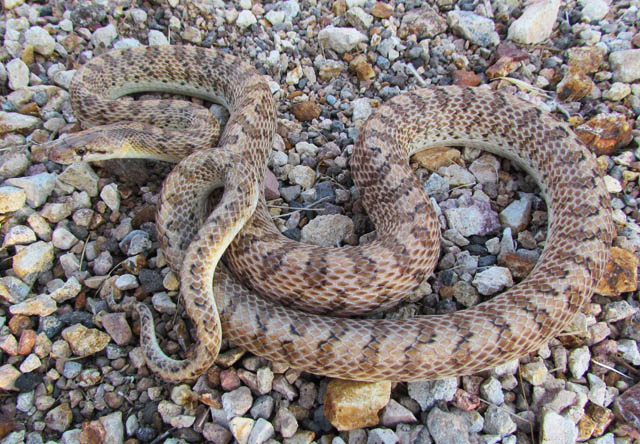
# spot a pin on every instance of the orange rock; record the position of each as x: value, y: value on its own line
x: 92, y: 433
x: 339, y: 7
x: 502, y: 68
x: 585, y: 59
x: 306, y: 111
x: 350, y: 405
x: 519, y: 266
x: 466, y: 78
x: 620, y: 275
x: 434, y: 158
x: 362, y: 68
x: 382, y: 10
x: 606, y: 133
x: 574, y: 86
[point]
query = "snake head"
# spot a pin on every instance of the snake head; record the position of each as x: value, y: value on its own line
x: 87, y: 146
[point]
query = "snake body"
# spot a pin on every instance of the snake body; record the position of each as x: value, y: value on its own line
x: 356, y: 280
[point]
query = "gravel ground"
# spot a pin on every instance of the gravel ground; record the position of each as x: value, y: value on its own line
x: 72, y: 371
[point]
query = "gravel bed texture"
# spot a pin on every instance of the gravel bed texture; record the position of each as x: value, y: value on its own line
x: 72, y: 371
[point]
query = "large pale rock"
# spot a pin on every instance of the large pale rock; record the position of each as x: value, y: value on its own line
x: 536, y: 22
x: 350, y: 405
x: 84, y: 341
x: 340, y: 39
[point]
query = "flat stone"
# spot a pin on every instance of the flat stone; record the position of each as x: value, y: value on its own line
x: 424, y: 22
x: 117, y: 327
x: 340, y: 39
x: 620, y: 274
x: 59, y: 418
x: 350, y: 405
x: 477, y: 29
x: 84, y: 341
x: 492, y: 280
x: 42, y: 305
x: 81, y: 176
x: 557, y: 430
x: 536, y: 22
x: 625, y: 65
x: 37, y: 188
x: 241, y: 428
x: 447, y: 428
x: 33, y: 260
x: 427, y: 393
x: 328, y: 230
x: 11, y: 199
x: 43, y: 43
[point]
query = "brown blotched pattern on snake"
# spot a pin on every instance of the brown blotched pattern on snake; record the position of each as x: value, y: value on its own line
x: 508, y: 326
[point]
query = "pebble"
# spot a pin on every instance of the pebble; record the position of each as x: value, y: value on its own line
x: 492, y: 280
x: 395, y: 413
x: 491, y: 391
x: 37, y: 188
x: 126, y: 282
x: 557, y: 430
x: 11, y: 199
x: 620, y: 275
x: 535, y: 373
x: 241, y: 428
x: 627, y: 406
x: 625, y: 65
x: 518, y: 213
x: 117, y: 327
x: 536, y: 22
x: 350, y: 405
x: 81, y: 176
x: 246, y: 19
x: 340, y: 40
x: 427, y: 393
x: 618, y: 310
x: 163, y: 303
x: 19, y: 235
x: 43, y: 43
x: 33, y: 260
x: 328, y: 230
x: 594, y: 10
x: 306, y: 111
x: 157, y: 38
x: 15, y: 122
x: 261, y: 432
x: 424, y: 22
x: 477, y: 218
x: 237, y: 402
x: 447, y: 428
x: 84, y: 341
x: 285, y: 422
x: 59, y: 418
x: 477, y: 29
x: 497, y: 421
x: 110, y: 196
x: 382, y: 436
x: 12, y: 163
x: 18, y: 74
x: 104, y: 36
x: 216, y: 433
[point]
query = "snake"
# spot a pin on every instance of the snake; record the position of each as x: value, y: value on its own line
x: 288, y: 302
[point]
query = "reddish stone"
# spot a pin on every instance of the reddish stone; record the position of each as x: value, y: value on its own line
x: 627, y: 407
x: 27, y: 341
x: 465, y: 400
x: 466, y: 78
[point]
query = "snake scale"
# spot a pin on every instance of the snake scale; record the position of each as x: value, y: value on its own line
x: 305, y: 290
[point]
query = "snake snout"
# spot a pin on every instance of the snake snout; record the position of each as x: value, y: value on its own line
x: 88, y: 145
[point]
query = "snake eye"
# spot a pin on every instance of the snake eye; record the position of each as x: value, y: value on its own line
x: 81, y: 151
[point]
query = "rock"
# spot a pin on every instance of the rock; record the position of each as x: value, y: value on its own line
x: 285, y: 423
x: 597, y: 390
x: 477, y: 29
x: 362, y: 68
x: 43, y: 43
x: 382, y: 436
x: 617, y: 92
x: 358, y: 18
x: 330, y: 69
x: 16, y: 122
x: 113, y: 427
x: 350, y: 405
x: 447, y: 428
x: 424, y: 22
x: 475, y: 219
x: 340, y: 39
x: 237, y: 402
x: 18, y: 73
x: 518, y: 213
x: 33, y: 260
x: 536, y: 22
x: 497, y: 421
x: 13, y: 164
x: 502, y: 67
x: 246, y: 19
x: 81, y: 176
x: 8, y: 377
x: 457, y: 176
x: 594, y: 10
x: 37, y: 188
x: 466, y: 78
x: 117, y: 327
x: 579, y: 359
x: 437, y: 187
x: 519, y: 266
x: 586, y: 59
x: 382, y: 10
x: 110, y: 196
x: 84, y: 341
x: 435, y: 158
x: 612, y: 185
x: 535, y: 372
x: 328, y: 230
x: 625, y: 65
x: 104, y: 36
x: 626, y: 407
x: 157, y: 38
x: 629, y: 350
x: 241, y: 428
x: 261, y: 432
x: 485, y: 169
x: 11, y: 199
x: 216, y: 433
x: 63, y: 239
x: 557, y: 430
x: 59, y: 418
x: 68, y: 290
x: 306, y: 111
x: 620, y: 274
x: 19, y: 235
x: 491, y: 391
x: 605, y: 133
x: 427, y: 393
x: 395, y: 413
x: 492, y: 280
x: 618, y: 310
x: 126, y: 282
x: 42, y: 305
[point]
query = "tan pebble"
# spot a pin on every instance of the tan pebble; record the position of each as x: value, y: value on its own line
x: 350, y: 405
x: 620, y: 274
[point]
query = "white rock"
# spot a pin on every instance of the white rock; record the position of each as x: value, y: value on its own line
x: 625, y: 65
x: 629, y: 350
x: 69, y: 290
x: 163, y: 303
x: 475, y: 219
x: 457, y: 176
x: 126, y: 282
x: 594, y: 10
x: 613, y: 185
x: 33, y: 260
x: 138, y: 15
x: 126, y: 43
x: 492, y: 280
x: 63, y: 238
x: 246, y: 19
x: 18, y: 73
x: 302, y: 175
x: 361, y: 109
x: 517, y: 214
x: 557, y: 430
x: 485, y: 169
x: 597, y: 390
x: 579, y: 361
x: 110, y: 196
x: 11, y: 199
x: 10, y: 122
x: 81, y: 176
x: 341, y: 39
x: 37, y: 188
x: 157, y: 38
x: 10, y: 4
x: 104, y: 36
x: 536, y: 22
x: 358, y: 18
x: 43, y: 43
x: 477, y: 29
x: 491, y: 390
x: 427, y: 393
x: 19, y: 234
x: 275, y: 17
x: 328, y: 230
